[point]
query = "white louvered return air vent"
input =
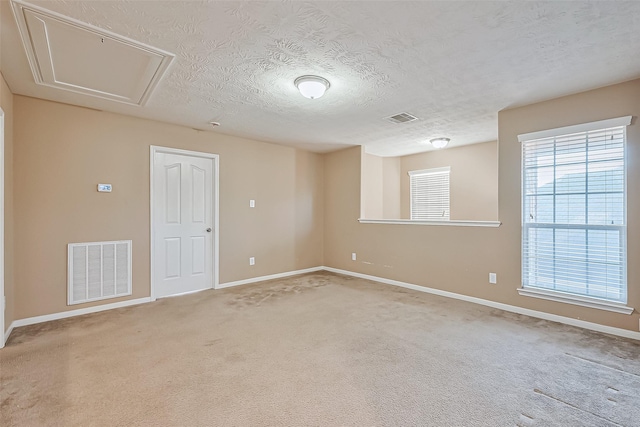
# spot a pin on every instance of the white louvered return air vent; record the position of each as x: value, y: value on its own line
x: 98, y: 270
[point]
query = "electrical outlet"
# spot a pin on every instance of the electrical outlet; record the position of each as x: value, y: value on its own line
x: 493, y: 279
x: 353, y: 256
x: 252, y: 203
x: 252, y: 261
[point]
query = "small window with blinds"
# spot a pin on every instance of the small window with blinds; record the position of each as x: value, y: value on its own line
x: 574, y: 212
x: 430, y: 194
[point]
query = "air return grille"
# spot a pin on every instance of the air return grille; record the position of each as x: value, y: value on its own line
x: 98, y: 270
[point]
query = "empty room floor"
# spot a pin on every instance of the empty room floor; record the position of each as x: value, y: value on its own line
x: 319, y: 349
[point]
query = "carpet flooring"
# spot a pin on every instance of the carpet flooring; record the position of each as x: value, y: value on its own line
x: 316, y: 350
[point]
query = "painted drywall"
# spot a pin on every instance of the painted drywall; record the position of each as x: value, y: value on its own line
x: 6, y: 103
x: 63, y: 151
x: 459, y: 259
x: 372, y: 188
x: 473, y: 181
x: 391, y: 191
x: 380, y: 184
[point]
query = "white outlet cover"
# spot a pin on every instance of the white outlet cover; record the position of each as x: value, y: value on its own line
x: 104, y: 188
x: 252, y: 203
x: 353, y: 256
x: 493, y: 278
x: 252, y: 261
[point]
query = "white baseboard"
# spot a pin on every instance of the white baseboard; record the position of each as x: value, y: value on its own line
x: 104, y: 307
x: 8, y: 332
x: 506, y: 307
x: 269, y: 277
x: 78, y: 312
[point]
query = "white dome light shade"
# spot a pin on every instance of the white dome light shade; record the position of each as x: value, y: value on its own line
x: 312, y: 87
x: 440, y: 142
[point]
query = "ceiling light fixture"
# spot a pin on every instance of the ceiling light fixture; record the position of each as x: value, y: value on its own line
x: 312, y: 87
x: 439, y: 142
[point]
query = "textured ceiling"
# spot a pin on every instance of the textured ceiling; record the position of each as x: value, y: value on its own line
x: 452, y: 64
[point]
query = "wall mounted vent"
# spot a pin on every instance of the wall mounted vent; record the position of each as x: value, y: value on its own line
x: 98, y: 270
x: 71, y: 55
x: 402, y: 118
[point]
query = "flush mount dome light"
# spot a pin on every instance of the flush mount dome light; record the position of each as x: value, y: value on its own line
x: 440, y: 142
x: 312, y: 87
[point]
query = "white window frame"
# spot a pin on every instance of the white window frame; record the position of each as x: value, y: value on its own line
x: 553, y: 295
x: 433, y: 171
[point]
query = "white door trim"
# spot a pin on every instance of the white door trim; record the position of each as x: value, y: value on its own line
x: 3, y: 299
x: 153, y: 149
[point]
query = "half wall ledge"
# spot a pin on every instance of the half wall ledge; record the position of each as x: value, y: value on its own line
x: 493, y: 224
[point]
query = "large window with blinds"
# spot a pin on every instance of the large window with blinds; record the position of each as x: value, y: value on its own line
x: 574, y: 211
x: 430, y: 194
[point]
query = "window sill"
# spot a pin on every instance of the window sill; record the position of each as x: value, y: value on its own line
x: 447, y: 223
x: 576, y: 300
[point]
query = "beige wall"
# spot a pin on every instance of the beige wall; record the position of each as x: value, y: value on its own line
x: 458, y: 259
x: 380, y: 184
x: 372, y: 186
x: 473, y: 182
x: 473, y: 179
x: 307, y: 205
x: 62, y: 152
x: 391, y: 182
x: 6, y: 103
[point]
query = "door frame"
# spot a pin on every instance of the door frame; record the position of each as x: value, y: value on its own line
x: 153, y: 149
x: 3, y: 298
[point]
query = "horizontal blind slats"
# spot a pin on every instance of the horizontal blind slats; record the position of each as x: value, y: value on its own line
x: 430, y: 194
x: 574, y: 231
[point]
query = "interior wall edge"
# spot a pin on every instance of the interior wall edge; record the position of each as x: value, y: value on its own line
x: 74, y: 313
x: 137, y: 301
x: 269, y: 277
x: 625, y: 333
x: 620, y: 332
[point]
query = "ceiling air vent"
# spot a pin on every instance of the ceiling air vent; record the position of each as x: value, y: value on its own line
x: 70, y: 55
x: 402, y: 118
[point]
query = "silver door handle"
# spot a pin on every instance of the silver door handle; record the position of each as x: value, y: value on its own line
x: 208, y: 230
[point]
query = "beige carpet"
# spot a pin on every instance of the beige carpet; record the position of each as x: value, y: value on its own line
x: 319, y: 349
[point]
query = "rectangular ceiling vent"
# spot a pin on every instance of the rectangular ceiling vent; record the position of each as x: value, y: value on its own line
x: 71, y: 55
x: 402, y: 118
x: 98, y: 270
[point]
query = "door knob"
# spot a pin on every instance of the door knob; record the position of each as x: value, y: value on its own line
x: 208, y: 230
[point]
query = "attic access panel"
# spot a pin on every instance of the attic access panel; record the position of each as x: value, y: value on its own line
x: 70, y: 55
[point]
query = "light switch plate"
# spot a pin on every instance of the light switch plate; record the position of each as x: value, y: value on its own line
x: 104, y: 188
x: 252, y: 203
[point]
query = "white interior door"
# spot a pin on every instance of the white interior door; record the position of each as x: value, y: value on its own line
x: 183, y: 194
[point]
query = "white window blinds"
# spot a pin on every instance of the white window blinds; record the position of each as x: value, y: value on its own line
x: 430, y: 194
x: 574, y: 214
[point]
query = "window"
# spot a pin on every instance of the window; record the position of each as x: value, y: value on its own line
x: 430, y: 194
x: 574, y: 212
